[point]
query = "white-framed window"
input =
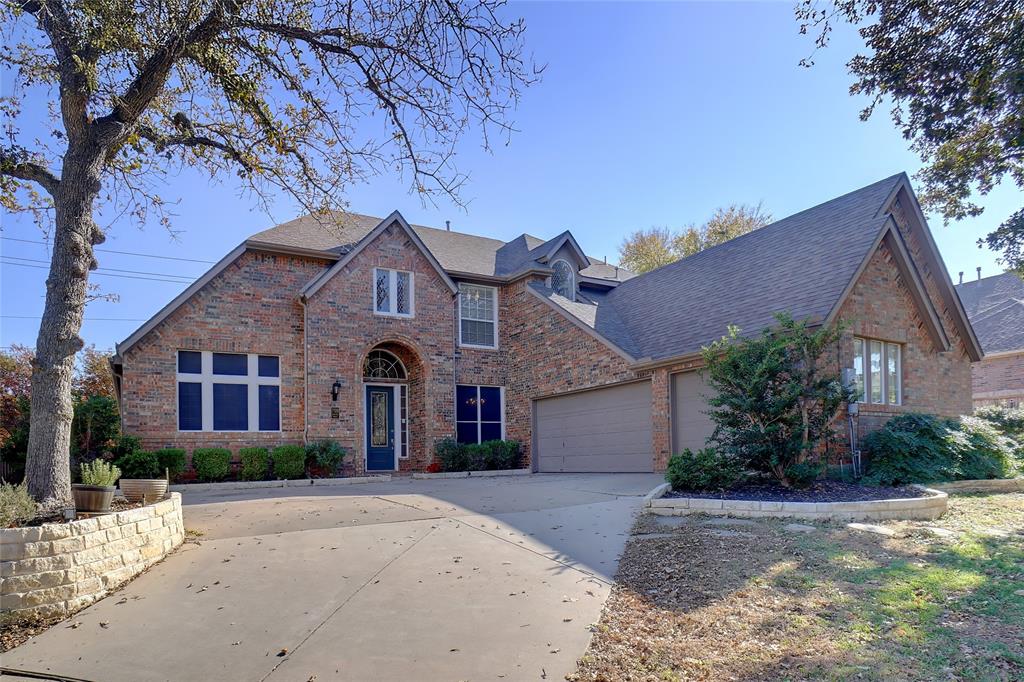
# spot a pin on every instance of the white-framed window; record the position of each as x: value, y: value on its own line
x: 393, y: 292
x: 228, y: 391
x: 563, y: 279
x: 479, y: 413
x: 478, y: 316
x: 878, y: 371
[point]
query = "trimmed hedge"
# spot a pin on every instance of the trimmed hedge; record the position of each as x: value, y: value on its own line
x: 172, y: 460
x: 211, y: 464
x: 255, y: 463
x: 139, y: 464
x: 289, y: 461
x: 706, y: 469
x: 490, y: 455
x: 327, y: 454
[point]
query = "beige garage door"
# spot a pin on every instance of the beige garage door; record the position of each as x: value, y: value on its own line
x: 607, y: 429
x: 691, y: 427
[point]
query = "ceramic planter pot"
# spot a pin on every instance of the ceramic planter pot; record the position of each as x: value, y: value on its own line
x: 92, y: 498
x: 143, y: 489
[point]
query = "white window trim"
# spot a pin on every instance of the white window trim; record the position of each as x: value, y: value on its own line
x: 494, y: 307
x: 501, y: 392
x: 393, y: 292
x: 865, y: 399
x: 206, y: 378
x: 572, y: 278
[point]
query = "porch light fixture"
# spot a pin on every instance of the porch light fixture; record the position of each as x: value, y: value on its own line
x: 335, y: 390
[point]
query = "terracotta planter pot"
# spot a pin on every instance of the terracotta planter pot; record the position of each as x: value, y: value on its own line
x: 143, y: 489
x: 92, y: 498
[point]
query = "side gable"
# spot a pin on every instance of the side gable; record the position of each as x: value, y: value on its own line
x: 317, y: 282
x: 547, y: 251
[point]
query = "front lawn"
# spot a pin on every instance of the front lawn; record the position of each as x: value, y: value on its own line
x: 701, y: 598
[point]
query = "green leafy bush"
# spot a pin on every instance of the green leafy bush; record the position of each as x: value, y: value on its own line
x: 451, y: 455
x: 16, y: 505
x: 100, y: 472
x: 922, y: 448
x: 95, y: 426
x: 254, y: 463
x: 707, y: 469
x: 211, y: 464
x: 491, y: 455
x: 139, y: 464
x: 1010, y: 421
x: 125, y: 444
x: 289, y: 461
x: 326, y: 453
x: 984, y: 451
x: 775, y: 396
x: 172, y: 460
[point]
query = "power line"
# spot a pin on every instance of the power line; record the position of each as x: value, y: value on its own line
x: 87, y: 319
x: 107, y: 274
x: 100, y: 271
x: 123, y: 253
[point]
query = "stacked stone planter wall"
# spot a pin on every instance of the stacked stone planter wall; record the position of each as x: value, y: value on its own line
x: 59, y: 568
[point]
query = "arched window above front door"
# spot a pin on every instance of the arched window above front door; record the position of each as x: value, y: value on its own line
x: 382, y: 364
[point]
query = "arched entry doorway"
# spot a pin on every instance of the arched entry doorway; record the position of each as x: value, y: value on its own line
x: 386, y: 386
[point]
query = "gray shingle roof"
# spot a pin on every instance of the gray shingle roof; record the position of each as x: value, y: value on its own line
x: 455, y: 251
x: 589, y: 309
x: 995, y: 306
x: 800, y: 264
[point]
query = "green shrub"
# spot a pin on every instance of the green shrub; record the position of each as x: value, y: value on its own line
x: 172, y: 460
x: 451, y: 455
x: 326, y: 453
x: 139, y: 464
x: 211, y: 464
x: 289, y: 461
x: 1010, y: 421
x: 502, y: 454
x: 775, y: 396
x: 254, y: 463
x: 125, y: 444
x: 921, y: 448
x: 100, y: 472
x: 16, y: 505
x: 803, y: 474
x: 984, y: 451
x: 707, y: 469
x: 95, y: 426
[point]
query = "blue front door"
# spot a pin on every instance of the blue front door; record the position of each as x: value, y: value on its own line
x: 380, y: 428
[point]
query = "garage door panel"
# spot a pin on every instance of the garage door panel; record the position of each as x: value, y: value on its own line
x: 606, y: 429
x: 691, y: 425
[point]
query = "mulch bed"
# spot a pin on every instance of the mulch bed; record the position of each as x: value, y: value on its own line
x: 119, y: 504
x: 822, y: 491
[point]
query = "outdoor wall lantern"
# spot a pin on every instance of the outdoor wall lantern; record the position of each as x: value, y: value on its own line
x: 335, y: 390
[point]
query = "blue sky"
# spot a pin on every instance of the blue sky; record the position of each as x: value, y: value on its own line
x: 649, y: 114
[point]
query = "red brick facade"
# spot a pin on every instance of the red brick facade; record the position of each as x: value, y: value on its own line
x: 999, y: 380
x: 254, y: 306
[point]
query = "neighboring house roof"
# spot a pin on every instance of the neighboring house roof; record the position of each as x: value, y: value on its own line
x: 457, y: 252
x: 995, y: 306
x: 804, y: 264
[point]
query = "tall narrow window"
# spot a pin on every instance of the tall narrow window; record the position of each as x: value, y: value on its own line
x: 392, y: 292
x: 878, y: 371
x: 563, y: 280
x: 403, y: 403
x: 478, y: 316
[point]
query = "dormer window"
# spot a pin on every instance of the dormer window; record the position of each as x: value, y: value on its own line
x: 563, y: 280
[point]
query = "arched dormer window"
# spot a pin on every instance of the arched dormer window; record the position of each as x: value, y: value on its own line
x: 381, y: 364
x: 563, y: 280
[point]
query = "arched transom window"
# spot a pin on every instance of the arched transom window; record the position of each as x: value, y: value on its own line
x: 381, y: 364
x: 563, y: 280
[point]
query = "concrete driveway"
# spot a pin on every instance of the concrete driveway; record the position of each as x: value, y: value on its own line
x: 458, y: 579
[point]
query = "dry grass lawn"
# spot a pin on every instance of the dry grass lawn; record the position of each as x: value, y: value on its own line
x: 752, y: 601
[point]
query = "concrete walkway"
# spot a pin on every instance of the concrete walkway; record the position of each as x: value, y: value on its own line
x: 458, y: 579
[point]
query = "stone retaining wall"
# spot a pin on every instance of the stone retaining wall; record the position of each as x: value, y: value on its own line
x: 926, y: 508
x: 994, y: 485
x: 59, y: 568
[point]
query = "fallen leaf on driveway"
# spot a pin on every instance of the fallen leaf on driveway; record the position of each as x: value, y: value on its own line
x: 282, y: 652
x: 104, y: 624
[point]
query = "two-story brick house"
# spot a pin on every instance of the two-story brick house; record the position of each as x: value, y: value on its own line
x: 388, y: 337
x: 995, y: 307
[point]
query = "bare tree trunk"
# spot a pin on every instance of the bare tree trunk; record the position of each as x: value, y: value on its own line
x: 48, y: 463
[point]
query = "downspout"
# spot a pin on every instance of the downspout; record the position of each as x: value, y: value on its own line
x: 305, y: 374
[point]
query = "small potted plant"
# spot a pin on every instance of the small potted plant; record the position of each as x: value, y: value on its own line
x: 96, y: 491
x: 140, y: 476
